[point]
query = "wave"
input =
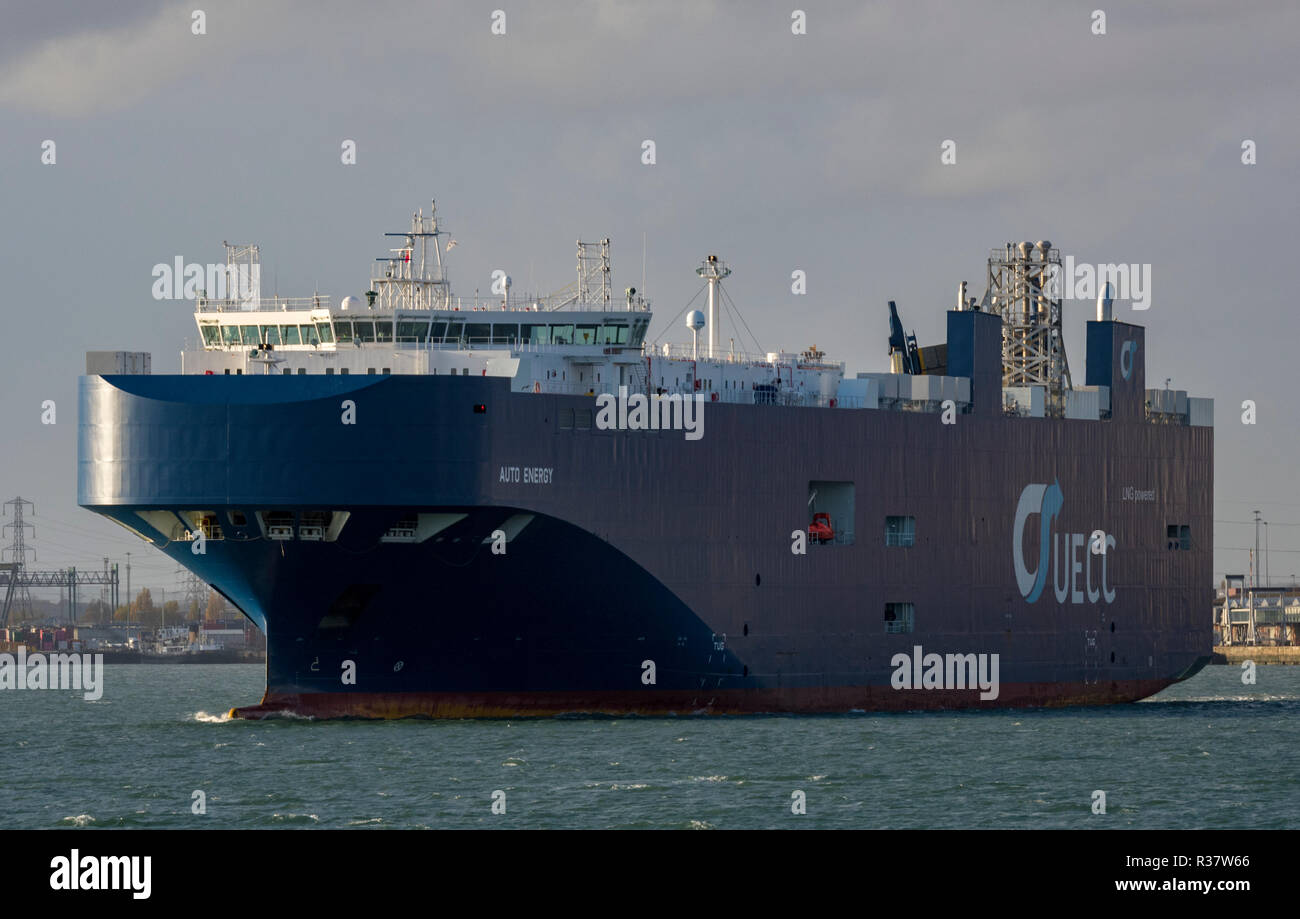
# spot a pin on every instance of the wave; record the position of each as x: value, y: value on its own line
x: 206, y: 718
x: 295, y: 818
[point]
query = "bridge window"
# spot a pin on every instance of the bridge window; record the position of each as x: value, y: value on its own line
x: 211, y: 335
x: 363, y: 330
x: 478, y: 333
x: 383, y: 330
x: 900, y: 618
x: 290, y: 335
x: 271, y: 334
x: 249, y: 334
x: 230, y: 334
x: 438, y: 332
x: 586, y: 334
x: 504, y: 333
x: 323, y: 330
x: 561, y: 334
x: 412, y: 331
x: 535, y: 334
x: 455, y: 330
x: 614, y: 335
x: 900, y: 531
x: 342, y: 330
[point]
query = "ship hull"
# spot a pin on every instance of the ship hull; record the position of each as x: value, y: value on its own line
x: 818, y: 700
x: 645, y: 572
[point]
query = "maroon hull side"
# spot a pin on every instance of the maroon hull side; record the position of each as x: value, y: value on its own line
x: 837, y: 700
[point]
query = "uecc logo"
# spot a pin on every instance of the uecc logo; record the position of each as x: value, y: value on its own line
x: 1062, y: 550
x: 1127, y: 353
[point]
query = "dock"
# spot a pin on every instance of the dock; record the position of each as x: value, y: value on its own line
x: 1260, y: 654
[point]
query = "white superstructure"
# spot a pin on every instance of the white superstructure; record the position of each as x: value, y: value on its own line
x: 576, y: 341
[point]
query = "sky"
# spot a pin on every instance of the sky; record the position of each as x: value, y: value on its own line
x: 818, y: 152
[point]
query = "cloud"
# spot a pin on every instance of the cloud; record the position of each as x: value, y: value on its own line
x: 99, y: 71
x: 107, y: 67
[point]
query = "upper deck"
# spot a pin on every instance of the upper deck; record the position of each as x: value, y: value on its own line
x: 582, y: 341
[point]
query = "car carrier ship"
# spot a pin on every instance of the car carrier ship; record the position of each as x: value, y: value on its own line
x: 442, y: 507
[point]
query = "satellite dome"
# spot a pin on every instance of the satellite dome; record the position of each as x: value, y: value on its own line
x: 350, y: 303
x: 695, y: 320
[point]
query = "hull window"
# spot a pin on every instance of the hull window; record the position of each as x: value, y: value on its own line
x: 900, y: 618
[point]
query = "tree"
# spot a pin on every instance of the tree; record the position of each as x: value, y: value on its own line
x: 96, y: 611
x: 143, y: 601
x: 171, y: 608
x: 216, y: 606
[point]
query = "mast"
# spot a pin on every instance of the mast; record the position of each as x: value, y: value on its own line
x: 713, y: 270
x: 409, y: 278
